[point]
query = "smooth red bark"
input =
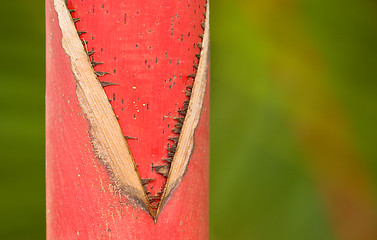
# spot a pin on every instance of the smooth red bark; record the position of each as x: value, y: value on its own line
x: 149, y: 48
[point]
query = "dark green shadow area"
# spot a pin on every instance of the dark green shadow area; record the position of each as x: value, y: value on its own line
x: 22, y: 180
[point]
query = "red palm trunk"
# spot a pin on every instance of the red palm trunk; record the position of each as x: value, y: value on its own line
x: 145, y: 54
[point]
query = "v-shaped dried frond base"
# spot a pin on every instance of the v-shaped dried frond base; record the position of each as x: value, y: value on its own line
x: 107, y: 138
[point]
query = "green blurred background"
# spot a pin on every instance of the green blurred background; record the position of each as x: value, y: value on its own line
x: 293, y: 119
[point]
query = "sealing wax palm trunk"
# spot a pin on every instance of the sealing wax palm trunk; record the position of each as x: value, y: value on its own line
x: 127, y: 114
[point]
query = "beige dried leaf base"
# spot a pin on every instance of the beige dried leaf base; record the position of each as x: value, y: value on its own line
x: 107, y: 137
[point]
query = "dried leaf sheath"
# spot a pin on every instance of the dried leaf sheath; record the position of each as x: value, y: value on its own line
x: 107, y: 137
x: 186, y: 139
x: 82, y: 201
